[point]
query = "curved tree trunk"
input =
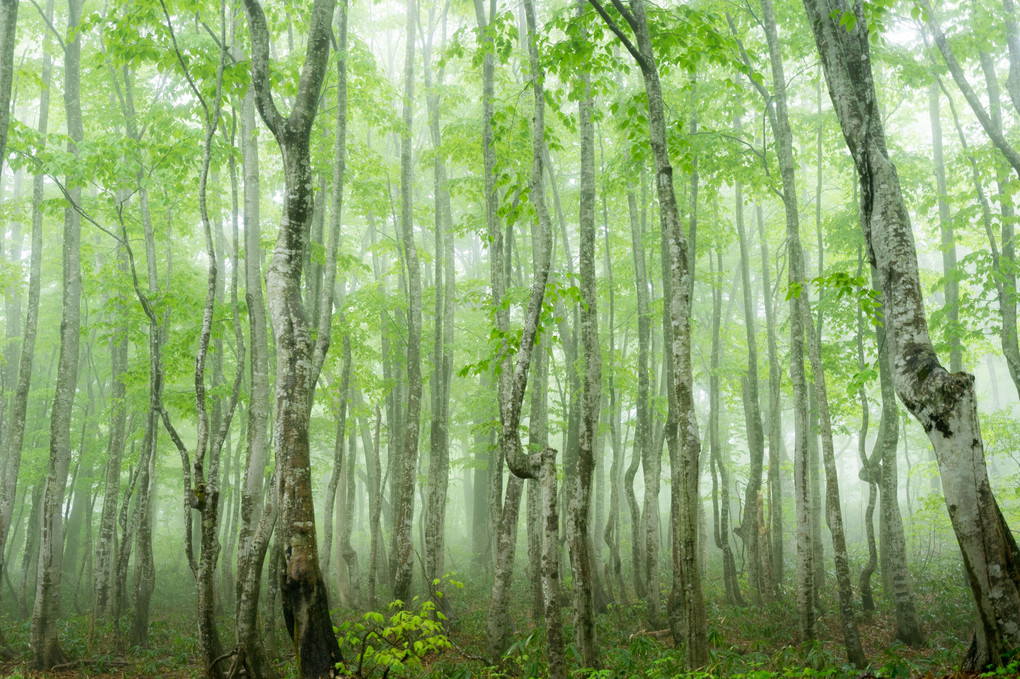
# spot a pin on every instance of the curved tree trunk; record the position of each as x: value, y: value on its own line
x: 305, y: 604
x: 943, y: 402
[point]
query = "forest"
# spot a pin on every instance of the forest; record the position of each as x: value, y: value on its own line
x: 447, y: 339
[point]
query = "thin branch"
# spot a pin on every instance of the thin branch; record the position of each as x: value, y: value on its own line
x: 49, y: 25
x: 180, y: 59
x: 638, y: 57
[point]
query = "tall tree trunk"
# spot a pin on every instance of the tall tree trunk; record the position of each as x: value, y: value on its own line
x: 684, y: 465
x: 403, y: 556
x: 870, y: 469
x: 943, y: 402
x: 643, y: 425
x: 250, y: 552
x: 894, y: 545
x: 578, y: 532
x: 748, y: 531
x: 46, y: 612
x: 717, y: 461
x: 511, y: 396
x: 305, y: 604
x: 833, y: 508
x: 775, y: 432
x: 12, y: 445
x: 614, y: 527
x: 799, y: 325
x: 442, y: 361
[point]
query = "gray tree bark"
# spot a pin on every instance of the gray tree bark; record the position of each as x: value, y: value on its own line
x: 403, y: 554
x: 46, y: 612
x: 439, y: 453
x: 578, y: 532
x: 684, y: 465
x: 8, y: 30
x: 943, y: 402
x: 12, y: 445
x: 305, y: 603
x: 951, y: 284
x: 748, y: 530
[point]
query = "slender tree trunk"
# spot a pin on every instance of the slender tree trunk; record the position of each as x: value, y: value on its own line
x: 8, y: 26
x: 643, y: 427
x: 684, y: 464
x: 943, y: 402
x: 894, y: 545
x: 799, y: 325
x: 439, y: 453
x: 12, y: 446
x: 511, y: 395
x: 582, y: 557
x: 775, y: 431
x: 46, y: 612
x: 748, y: 531
x: 870, y: 471
x: 722, y: 518
x: 614, y: 527
x: 403, y: 555
x: 951, y: 285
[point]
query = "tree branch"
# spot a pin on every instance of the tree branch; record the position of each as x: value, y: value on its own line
x: 615, y: 28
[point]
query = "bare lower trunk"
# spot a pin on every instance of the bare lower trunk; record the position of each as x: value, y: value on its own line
x: 718, y: 461
x: 439, y: 453
x: 833, y: 509
x: 253, y: 540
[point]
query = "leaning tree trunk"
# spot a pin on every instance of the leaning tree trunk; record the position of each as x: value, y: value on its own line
x: 944, y: 403
x: 305, y: 604
x: 46, y: 612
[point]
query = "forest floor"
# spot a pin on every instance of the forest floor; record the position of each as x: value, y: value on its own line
x: 748, y: 642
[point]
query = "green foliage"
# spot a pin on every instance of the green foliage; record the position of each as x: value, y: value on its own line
x: 381, y: 646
